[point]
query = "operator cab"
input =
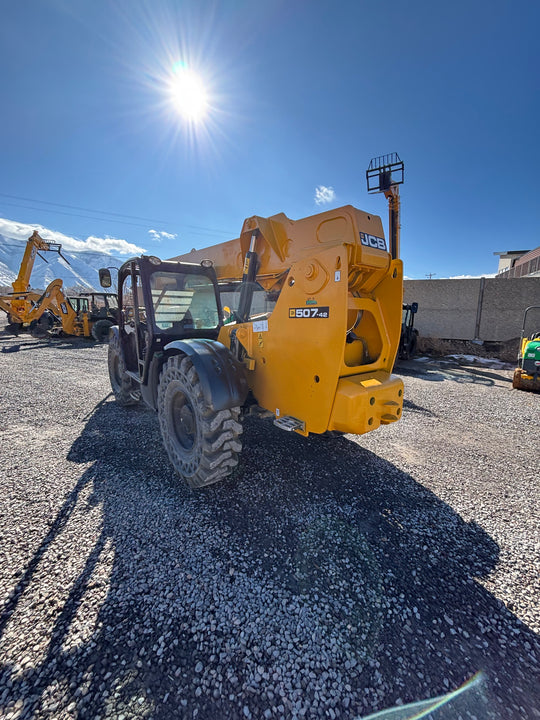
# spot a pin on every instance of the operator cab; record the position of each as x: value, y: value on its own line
x: 97, y: 305
x: 163, y: 301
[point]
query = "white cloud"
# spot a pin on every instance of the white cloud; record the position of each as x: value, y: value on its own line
x: 109, y: 245
x: 157, y: 235
x: 470, y: 277
x: 324, y: 194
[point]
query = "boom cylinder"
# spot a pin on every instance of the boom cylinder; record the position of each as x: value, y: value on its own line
x: 249, y: 277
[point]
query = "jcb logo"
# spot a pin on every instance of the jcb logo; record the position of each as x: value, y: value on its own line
x: 373, y: 241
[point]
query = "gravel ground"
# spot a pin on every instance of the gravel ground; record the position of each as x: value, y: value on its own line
x: 325, y: 578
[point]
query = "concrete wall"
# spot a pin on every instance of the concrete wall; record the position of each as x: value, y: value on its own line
x: 489, y: 309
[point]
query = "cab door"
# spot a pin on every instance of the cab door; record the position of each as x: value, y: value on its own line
x: 133, y: 323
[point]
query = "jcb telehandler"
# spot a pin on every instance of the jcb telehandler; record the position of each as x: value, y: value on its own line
x: 24, y: 307
x: 311, y: 339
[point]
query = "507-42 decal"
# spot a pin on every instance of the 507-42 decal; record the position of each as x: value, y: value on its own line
x: 309, y: 312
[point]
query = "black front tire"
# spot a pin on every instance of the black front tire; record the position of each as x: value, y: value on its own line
x: 122, y: 385
x: 100, y: 330
x: 202, y: 444
x: 12, y: 327
x: 40, y: 328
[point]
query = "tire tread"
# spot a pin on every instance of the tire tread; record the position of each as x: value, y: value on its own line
x: 218, y: 433
x: 123, y: 391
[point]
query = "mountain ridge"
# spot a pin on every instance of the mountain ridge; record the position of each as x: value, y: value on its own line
x: 81, y: 268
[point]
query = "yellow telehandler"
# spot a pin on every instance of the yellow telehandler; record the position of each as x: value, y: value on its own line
x: 313, y: 328
x: 24, y: 307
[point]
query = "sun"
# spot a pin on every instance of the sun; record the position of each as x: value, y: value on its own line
x: 188, y: 93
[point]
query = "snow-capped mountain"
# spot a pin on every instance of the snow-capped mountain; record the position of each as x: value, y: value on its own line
x: 81, y: 267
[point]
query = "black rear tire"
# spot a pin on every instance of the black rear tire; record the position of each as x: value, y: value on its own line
x: 202, y: 444
x: 122, y: 385
x: 413, y: 345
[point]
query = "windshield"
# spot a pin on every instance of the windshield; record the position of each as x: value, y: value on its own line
x: 183, y: 301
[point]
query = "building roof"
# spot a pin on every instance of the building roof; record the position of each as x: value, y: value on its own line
x: 526, y: 264
x: 506, y: 253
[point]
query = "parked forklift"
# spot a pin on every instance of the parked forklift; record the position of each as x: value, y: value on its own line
x: 310, y: 338
x: 527, y: 373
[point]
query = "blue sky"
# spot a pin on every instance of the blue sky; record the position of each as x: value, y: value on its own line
x: 300, y: 95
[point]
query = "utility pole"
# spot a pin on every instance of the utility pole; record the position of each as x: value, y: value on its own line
x: 430, y: 275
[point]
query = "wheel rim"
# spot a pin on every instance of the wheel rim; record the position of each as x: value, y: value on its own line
x: 183, y: 421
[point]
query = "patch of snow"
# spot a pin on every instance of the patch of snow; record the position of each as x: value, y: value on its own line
x: 475, y: 360
x: 81, y: 267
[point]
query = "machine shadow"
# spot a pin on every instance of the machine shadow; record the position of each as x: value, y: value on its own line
x: 25, y: 343
x: 456, y: 373
x: 327, y: 523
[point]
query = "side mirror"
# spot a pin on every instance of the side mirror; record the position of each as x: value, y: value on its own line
x: 414, y: 308
x: 105, y: 278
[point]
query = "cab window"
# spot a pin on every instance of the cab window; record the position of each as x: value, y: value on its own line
x: 183, y: 301
x: 128, y: 299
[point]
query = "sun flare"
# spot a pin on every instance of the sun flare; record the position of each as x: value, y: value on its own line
x: 188, y: 93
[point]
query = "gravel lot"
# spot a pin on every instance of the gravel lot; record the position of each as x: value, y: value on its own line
x: 324, y: 579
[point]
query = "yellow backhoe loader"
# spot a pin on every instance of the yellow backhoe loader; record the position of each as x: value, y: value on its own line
x: 311, y: 336
x: 52, y: 310
x: 87, y: 315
